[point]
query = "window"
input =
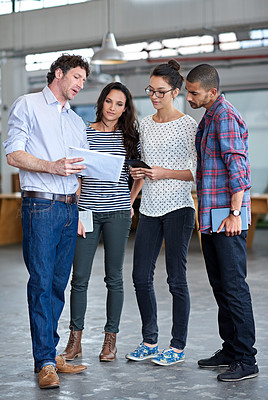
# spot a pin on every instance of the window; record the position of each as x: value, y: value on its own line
x: 26, y: 5
x: 144, y: 106
x: 86, y: 111
x: 35, y: 62
x: 243, y: 40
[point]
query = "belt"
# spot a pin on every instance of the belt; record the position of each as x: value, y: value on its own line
x: 65, y: 198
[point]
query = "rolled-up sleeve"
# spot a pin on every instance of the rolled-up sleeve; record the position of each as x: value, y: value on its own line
x: 18, y: 126
x: 234, y: 153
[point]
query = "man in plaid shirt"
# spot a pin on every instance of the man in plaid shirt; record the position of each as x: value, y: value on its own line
x: 223, y: 180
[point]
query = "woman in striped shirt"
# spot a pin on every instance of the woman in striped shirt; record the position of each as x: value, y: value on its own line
x: 114, y: 132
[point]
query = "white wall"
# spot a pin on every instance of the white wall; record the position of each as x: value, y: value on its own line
x: 84, y: 24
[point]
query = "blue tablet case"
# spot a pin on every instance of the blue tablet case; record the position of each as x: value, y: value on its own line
x: 218, y: 215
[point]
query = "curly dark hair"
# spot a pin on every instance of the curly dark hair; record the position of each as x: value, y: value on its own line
x: 66, y: 62
x: 127, y: 123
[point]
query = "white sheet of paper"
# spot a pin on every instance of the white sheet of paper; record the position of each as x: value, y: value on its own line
x: 87, y: 220
x: 102, y: 166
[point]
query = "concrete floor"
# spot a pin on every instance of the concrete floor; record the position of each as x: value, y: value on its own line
x: 124, y: 379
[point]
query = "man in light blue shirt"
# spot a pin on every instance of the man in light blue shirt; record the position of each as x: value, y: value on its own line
x: 41, y: 128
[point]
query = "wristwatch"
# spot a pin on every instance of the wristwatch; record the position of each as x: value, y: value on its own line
x: 236, y: 213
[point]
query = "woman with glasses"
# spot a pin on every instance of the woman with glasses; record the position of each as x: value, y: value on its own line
x: 114, y: 132
x: 167, y: 213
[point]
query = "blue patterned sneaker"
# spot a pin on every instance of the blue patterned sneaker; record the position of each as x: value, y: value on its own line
x: 168, y: 357
x: 142, y: 352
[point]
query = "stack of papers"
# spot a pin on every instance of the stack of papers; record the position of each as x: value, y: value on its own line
x: 102, y: 166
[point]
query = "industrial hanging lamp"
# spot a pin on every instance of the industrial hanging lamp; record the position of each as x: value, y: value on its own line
x: 108, y: 53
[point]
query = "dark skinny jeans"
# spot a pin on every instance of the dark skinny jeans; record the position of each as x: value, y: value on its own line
x: 115, y: 227
x: 176, y: 229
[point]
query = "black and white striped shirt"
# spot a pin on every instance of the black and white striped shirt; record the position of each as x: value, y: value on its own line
x: 104, y: 196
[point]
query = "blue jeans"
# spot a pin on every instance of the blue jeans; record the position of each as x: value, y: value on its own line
x: 114, y: 226
x: 49, y: 237
x: 176, y: 229
x: 226, y: 264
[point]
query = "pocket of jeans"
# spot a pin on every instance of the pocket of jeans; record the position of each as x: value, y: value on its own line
x: 41, y: 206
x: 189, y: 218
x: 126, y: 214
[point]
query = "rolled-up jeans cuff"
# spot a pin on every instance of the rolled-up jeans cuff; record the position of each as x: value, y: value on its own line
x: 47, y: 363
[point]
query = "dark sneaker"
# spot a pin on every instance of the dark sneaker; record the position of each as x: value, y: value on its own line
x: 239, y: 371
x: 218, y: 360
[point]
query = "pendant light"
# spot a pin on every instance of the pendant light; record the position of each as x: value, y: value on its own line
x: 108, y: 53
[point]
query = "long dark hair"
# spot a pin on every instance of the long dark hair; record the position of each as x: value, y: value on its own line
x: 127, y: 123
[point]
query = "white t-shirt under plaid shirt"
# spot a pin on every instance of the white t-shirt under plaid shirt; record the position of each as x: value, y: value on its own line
x: 169, y: 145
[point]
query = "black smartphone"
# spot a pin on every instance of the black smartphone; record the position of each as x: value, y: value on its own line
x: 137, y: 164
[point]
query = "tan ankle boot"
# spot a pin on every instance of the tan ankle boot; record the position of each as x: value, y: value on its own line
x: 73, y: 348
x: 108, y: 349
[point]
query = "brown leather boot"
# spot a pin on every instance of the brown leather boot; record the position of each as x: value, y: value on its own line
x: 73, y: 348
x: 108, y: 349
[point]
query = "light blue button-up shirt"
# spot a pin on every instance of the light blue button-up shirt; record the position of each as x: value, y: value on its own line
x: 38, y: 126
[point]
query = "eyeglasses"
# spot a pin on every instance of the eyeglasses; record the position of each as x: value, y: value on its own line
x: 159, y: 93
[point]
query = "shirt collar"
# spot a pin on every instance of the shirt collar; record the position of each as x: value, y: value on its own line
x: 50, y: 98
x: 211, y: 111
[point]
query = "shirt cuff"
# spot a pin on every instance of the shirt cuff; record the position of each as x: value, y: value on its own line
x: 241, y: 185
x: 10, y: 148
x: 193, y: 171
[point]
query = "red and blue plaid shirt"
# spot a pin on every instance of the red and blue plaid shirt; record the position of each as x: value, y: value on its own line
x: 222, y: 160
